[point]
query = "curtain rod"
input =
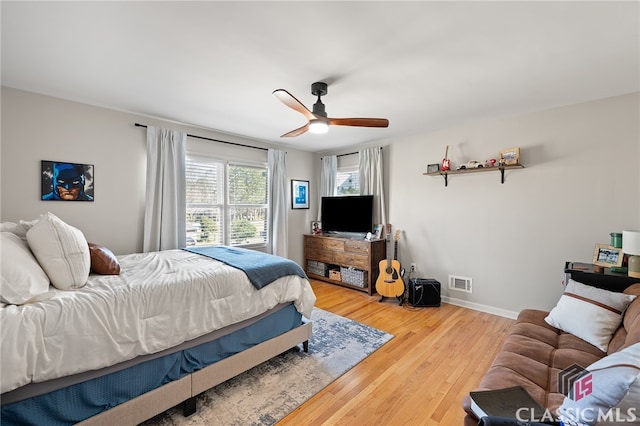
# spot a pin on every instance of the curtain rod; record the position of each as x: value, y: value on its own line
x: 350, y: 153
x: 344, y: 155
x: 214, y: 140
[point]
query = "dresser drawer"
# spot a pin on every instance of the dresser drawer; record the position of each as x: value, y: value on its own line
x: 359, y: 246
x: 358, y: 261
x: 320, y: 255
x: 325, y: 243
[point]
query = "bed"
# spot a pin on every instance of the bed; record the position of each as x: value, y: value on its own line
x: 122, y: 348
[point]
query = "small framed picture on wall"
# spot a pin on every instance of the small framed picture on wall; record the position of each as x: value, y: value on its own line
x: 299, y: 194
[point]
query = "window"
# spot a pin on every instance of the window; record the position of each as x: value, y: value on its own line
x: 226, y: 202
x: 348, y: 181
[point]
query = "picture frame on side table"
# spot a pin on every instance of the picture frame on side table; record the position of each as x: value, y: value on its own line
x: 316, y: 228
x: 377, y: 231
x: 509, y: 157
x: 299, y: 194
x: 607, y: 256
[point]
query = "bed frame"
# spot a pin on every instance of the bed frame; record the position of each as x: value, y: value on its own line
x: 184, y: 390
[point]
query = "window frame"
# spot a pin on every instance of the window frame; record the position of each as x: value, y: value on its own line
x: 226, y: 207
x: 347, y: 169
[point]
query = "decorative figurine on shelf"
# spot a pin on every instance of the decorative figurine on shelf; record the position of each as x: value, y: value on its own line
x: 473, y: 164
x: 491, y: 162
x: 446, y: 163
x: 502, y: 162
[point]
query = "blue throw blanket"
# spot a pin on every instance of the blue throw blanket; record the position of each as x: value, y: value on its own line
x: 261, y: 268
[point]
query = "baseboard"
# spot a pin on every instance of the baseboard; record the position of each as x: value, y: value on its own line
x: 479, y: 307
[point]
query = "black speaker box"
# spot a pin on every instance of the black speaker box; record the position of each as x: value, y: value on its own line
x: 424, y: 292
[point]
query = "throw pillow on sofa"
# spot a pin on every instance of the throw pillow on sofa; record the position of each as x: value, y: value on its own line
x: 590, y: 313
x: 612, y: 393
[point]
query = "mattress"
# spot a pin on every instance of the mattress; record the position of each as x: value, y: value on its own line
x: 160, y: 300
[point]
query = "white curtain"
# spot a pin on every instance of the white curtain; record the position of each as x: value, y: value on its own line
x: 371, y: 181
x: 278, y: 236
x: 327, y: 180
x: 165, y: 198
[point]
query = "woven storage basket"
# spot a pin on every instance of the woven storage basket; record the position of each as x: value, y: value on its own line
x: 353, y: 276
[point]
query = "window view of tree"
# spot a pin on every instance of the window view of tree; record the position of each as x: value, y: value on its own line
x: 234, y: 213
x: 242, y: 230
x: 248, y: 204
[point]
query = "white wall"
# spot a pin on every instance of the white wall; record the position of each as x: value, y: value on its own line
x: 36, y: 127
x: 581, y: 181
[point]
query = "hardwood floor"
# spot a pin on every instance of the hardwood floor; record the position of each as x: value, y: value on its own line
x: 418, y: 378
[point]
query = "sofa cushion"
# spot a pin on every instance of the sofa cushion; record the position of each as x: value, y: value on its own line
x: 629, y: 333
x: 589, y: 313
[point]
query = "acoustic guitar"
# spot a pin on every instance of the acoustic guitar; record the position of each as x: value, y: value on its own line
x: 389, y: 282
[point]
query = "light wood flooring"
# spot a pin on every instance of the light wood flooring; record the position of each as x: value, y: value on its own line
x: 419, y: 377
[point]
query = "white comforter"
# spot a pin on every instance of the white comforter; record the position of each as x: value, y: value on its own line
x: 158, y: 301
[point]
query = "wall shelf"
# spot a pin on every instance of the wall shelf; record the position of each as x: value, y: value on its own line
x: 501, y: 169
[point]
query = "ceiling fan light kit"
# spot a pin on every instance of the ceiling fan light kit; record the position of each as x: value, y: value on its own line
x: 318, y: 122
x: 318, y: 127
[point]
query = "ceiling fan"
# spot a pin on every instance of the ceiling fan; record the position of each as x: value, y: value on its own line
x: 318, y: 120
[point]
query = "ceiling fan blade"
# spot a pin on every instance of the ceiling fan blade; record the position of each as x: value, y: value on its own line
x: 289, y: 100
x: 360, y: 122
x: 296, y: 132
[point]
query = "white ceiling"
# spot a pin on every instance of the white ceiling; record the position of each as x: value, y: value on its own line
x: 422, y: 65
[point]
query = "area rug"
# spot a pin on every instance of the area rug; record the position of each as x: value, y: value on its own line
x: 270, y: 391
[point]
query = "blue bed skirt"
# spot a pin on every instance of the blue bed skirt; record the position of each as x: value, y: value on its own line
x: 78, y: 402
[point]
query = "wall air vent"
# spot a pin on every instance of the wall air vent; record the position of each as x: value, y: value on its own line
x: 460, y: 283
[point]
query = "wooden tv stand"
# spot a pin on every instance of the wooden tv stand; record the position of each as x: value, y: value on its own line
x: 336, y: 252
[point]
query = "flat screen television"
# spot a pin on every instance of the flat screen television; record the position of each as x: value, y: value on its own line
x: 348, y: 214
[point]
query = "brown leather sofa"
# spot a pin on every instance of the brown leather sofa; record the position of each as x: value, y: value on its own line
x: 534, y: 353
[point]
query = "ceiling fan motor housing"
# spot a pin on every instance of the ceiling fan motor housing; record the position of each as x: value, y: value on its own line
x: 319, y: 89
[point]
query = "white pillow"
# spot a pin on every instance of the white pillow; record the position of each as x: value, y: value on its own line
x: 614, y: 392
x: 22, y: 278
x: 14, y: 228
x: 62, y: 251
x: 590, y: 313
